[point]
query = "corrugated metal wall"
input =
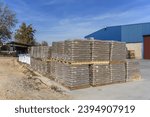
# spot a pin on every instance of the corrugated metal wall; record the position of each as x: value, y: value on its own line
x: 127, y: 33
x: 134, y: 32
x: 109, y: 33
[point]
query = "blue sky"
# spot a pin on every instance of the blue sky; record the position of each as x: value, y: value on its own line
x: 67, y: 19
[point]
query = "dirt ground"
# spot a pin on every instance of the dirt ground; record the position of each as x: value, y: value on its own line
x: 16, y: 82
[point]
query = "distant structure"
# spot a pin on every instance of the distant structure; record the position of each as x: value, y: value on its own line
x: 14, y: 48
x: 137, y: 37
x: 20, y: 48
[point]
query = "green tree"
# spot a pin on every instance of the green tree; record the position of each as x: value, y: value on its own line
x: 44, y: 43
x: 25, y: 34
x: 7, y: 22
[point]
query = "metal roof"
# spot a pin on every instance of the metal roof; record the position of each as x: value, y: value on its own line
x: 13, y: 43
x: 126, y: 33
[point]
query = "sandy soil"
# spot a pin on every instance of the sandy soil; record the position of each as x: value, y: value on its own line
x: 17, y: 82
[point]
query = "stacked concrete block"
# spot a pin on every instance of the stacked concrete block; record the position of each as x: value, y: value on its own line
x: 32, y: 63
x: 133, y: 70
x: 59, y: 72
x: 45, y: 52
x: 81, y: 63
x: 100, y: 50
x: 40, y: 52
x: 117, y: 51
x: 40, y: 66
x: 38, y: 48
x: 60, y: 50
x: 39, y: 56
x: 53, y: 69
x: 44, y: 68
x: 118, y: 72
x: 100, y: 74
x: 77, y: 50
x: 71, y: 76
x: 54, y: 50
x: 32, y: 52
x: 76, y: 76
x: 117, y: 61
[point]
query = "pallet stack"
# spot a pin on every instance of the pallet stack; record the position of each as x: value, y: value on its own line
x: 77, y: 50
x: 76, y: 76
x: 132, y: 69
x: 83, y: 63
x: 60, y: 50
x: 59, y: 72
x: 118, y: 51
x: 117, y: 61
x: 39, y: 56
x: 53, y: 69
x: 118, y: 72
x: 100, y: 74
x: 100, y: 70
x: 64, y: 54
x: 100, y: 50
x: 54, y: 50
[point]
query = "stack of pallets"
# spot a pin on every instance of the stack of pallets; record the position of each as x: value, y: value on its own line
x: 100, y: 50
x: 59, y: 72
x: 117, y: 61
x: 81, y: 63
x: 45, y: 52
x: 77, y: 50
x: 99, y: 70
x: 100, y: 74
x: 64, y: 54
x: 39, y: 56
x: 118, y: 72
x: 133, y: 70
x: 117, y: 51
x: 54, y: 50
x: 76, y: 76
x: 60, y: 50
x: 53, y: 69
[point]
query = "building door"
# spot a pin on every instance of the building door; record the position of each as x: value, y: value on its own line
x: 147, y: 47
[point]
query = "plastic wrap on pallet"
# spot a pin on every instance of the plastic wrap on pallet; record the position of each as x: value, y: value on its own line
x: 24, y: 58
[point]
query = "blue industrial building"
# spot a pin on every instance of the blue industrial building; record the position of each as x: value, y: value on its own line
x: 132, y: 33
x: 126, y: 33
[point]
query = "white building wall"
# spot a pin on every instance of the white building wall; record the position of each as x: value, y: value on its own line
x: 138, y: 47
